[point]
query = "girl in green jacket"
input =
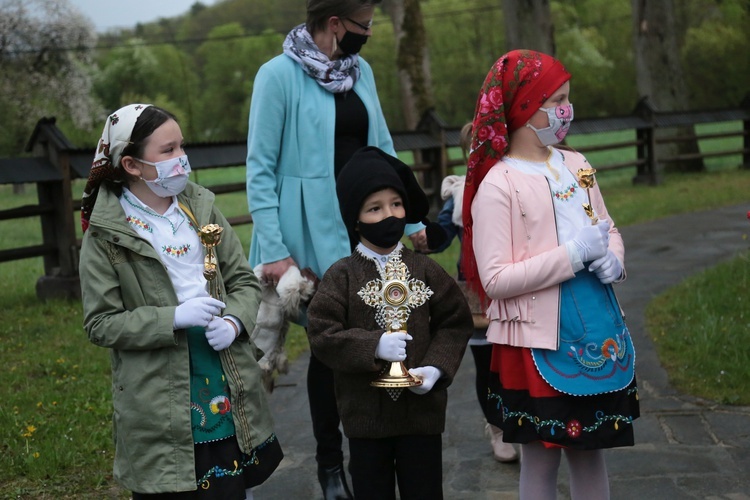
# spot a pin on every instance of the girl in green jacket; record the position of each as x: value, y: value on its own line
x: 190, y: 415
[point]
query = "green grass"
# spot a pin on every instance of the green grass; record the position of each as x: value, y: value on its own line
x: 680, y: 193
x: 700, y: 330
x: 57, y: 424
x: 56, y: 437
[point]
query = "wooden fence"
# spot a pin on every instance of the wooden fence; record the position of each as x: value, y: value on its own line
x: 53, y: 163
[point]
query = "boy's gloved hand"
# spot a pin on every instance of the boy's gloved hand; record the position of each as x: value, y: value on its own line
x: 220, y: 334
x: 592, y: 241
x: 607, y: 268
x: 197, y: 312
x: 428, y: 375
x: 392, y: 346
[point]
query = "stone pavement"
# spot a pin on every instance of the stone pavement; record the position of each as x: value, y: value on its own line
x: 685, y: 448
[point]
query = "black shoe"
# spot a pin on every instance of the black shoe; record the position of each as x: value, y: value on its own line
x: 333, y: 481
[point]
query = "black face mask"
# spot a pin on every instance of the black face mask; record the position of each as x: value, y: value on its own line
x: 385, y: 233
x: 351, y: 43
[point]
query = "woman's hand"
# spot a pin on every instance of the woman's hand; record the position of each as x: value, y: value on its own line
x: 273, y: 271
x: 419, y: 241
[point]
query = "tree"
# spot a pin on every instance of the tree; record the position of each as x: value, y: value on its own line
x: 412, y: 59
x: 588, y: 37
x: 380, y: 53
x: 231, y: 62
x: 255, y: 16
x: 135, y: 72
x: 714, y: 54
x: 45, y: 49
x: 129, y: 73
x: 528, y: 25
x: 464, y: 43
x: 659, y: 74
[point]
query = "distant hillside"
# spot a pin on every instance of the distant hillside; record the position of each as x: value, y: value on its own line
x: 255, y: 16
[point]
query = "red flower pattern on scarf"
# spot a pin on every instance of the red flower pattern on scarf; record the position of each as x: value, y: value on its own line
x: 514, y: 89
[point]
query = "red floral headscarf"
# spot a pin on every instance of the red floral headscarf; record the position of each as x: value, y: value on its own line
x: 514, y: 89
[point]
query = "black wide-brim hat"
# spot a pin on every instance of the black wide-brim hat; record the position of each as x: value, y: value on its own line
x: 371, y: 169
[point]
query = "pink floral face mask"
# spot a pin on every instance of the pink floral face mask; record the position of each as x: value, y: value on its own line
x: 559, y: 124
x: 172, y: 176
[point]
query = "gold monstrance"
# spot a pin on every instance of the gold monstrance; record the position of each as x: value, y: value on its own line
x: 394, y: 296
x: 210, y: 236
x: 587, y: 180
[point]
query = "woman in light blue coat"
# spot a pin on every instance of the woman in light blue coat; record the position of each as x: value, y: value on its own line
x: 312, y: 107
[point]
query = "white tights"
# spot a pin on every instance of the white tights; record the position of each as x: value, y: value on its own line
x: 249, y: 494
x: 539, y: 465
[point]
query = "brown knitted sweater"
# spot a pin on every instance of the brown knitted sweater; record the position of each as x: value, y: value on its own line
x: 343, y: 334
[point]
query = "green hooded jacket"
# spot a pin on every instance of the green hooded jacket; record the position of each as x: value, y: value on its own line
x: 129, y: 305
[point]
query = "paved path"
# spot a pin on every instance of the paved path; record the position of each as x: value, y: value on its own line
x: 686, y: 448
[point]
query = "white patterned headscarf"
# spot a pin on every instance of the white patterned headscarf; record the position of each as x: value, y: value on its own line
x: 115, y: 137
x: 334, y: 76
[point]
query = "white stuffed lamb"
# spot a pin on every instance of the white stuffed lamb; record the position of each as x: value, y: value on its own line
x: 278, y: 306
x: 453, y: 186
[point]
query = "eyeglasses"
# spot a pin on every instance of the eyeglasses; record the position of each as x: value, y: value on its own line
x: 364, y: 27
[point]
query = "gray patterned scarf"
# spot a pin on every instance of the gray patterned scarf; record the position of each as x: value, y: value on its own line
x: 334, y: 76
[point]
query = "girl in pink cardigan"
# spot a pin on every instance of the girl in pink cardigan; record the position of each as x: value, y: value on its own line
x: 563, y: 362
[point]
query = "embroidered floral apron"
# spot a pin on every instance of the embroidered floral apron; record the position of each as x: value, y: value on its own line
x: 210, y: 408
x: 596, y: 353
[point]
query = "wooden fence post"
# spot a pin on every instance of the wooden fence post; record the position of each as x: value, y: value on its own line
x: 646, y: 172
x: 60, y: 278
x: 437, y: 157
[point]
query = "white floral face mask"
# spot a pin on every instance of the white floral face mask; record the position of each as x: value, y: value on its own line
x: 172, y: 176
x: 559, y: 124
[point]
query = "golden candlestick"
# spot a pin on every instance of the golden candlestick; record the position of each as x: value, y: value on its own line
x: 210, y: 236
x: 587, y: 180
x: 394, y: 296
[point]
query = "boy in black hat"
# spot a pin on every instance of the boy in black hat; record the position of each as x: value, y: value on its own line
x: 393, y: 434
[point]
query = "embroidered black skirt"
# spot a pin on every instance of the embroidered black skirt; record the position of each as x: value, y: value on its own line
x: 528, y: 409
x: 224, y: 472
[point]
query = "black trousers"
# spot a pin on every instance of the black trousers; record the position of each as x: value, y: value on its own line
x: 324, y: 413
x: 415, y: 462
x: 482, y: 356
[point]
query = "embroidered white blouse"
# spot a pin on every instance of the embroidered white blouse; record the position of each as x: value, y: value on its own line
x: 177, y: 243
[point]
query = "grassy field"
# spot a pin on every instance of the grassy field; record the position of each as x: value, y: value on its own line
x: 56, y: 441
x: 700, y: 331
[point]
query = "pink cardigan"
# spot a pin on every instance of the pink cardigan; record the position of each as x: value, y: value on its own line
x: 519, y: 259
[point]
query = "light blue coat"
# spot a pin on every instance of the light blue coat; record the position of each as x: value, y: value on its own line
x: 291, y: 188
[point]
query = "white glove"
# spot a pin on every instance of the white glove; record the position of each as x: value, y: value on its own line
x: 607, y: 268
x: 220, y: 334
x: 592, y: 241
x: 392, y: 346
x: 197, y: 312
x: 428, y: 375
